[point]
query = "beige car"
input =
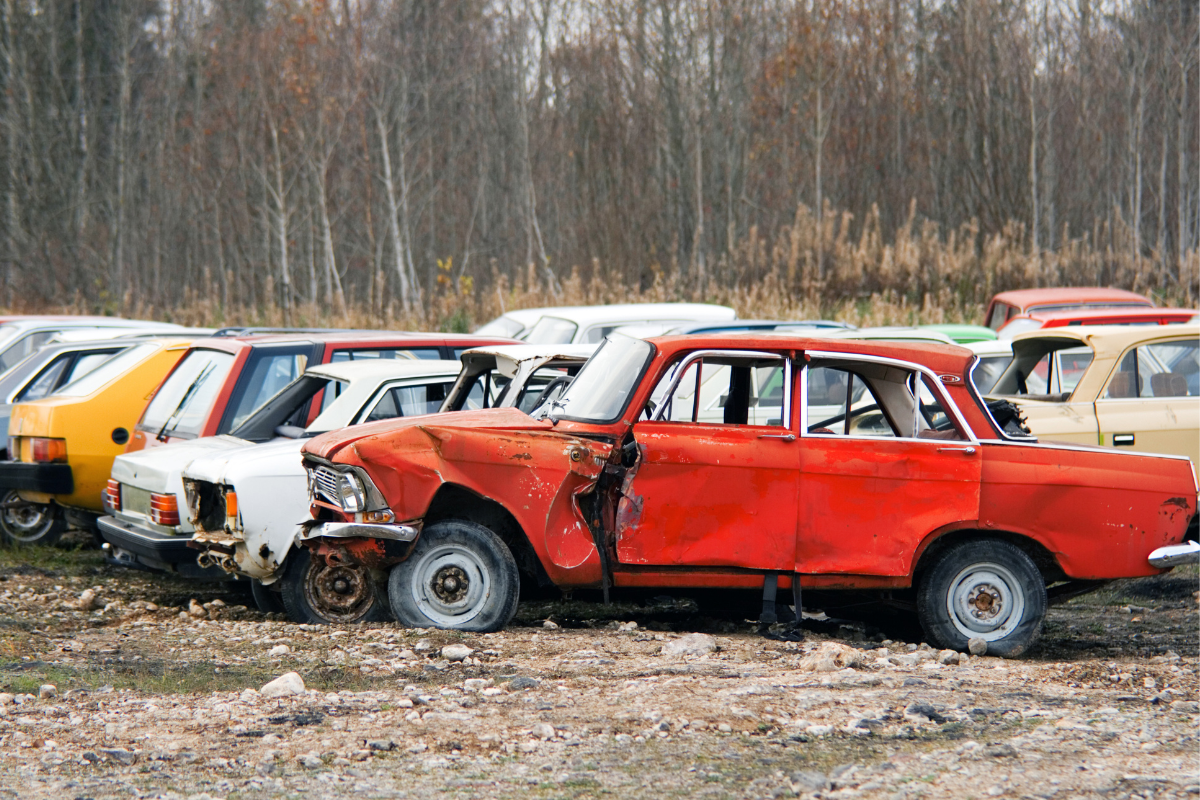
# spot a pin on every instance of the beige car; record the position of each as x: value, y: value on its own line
x: 1132, y: 387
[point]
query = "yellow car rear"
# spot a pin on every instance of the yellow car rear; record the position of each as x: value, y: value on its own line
x: 63, y: 446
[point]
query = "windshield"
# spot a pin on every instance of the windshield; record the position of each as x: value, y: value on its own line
x: 602, y: 389
x: 19, y: 350
x: 552, y: 330
x: 186, y: 396
x: 112, y: 369
x: 500, y: 326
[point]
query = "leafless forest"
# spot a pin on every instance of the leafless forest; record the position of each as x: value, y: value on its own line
x: 432, y: 162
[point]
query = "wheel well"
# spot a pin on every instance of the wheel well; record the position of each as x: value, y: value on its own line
x: 1045, y: 561
x: 457, y: 502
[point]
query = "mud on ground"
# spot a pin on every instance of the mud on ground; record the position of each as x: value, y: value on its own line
x: 116, y: 684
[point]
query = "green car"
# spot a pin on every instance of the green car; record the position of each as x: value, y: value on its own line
x: 963, y: 334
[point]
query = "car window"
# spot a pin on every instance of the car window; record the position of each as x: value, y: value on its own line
x: 427, y: 353
x: 534, y: 393
x: 988, y: 371
x: 45, y: 382
x: 1072, y: 363
x: 63, y: 370
x: 264, y: 375
x: 23, y: 347
x: 721, y: 390
x: 1000, y: 314
x: 409, y: 401
x: 841, y: 403
x: 185, y: 398
x: 551, y: 330
x: 1165, y: 369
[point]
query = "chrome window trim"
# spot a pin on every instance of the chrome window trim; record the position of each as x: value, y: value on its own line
x: 1079, y: 448
x: 892, y: 362
x: 701, y: 354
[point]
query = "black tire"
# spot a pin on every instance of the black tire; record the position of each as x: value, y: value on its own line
x: 313, y: 593
x: 23, y: 523
x: 983, y: 588
x: 460, y: 576
x: 266, y: 599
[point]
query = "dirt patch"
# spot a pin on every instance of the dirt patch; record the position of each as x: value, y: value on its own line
x: 154, y: 694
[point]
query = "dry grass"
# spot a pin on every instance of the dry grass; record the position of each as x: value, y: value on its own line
x: 811, y: 268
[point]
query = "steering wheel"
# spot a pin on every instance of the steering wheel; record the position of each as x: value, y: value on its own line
x: 546, y: 393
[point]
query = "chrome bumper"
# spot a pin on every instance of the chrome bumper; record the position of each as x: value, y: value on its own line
x: 1175, y: 554
x: 357, y: 530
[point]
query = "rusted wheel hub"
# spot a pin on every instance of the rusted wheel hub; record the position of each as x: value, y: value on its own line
x: 985, y: 600
x: 339, y: 592
x: 450, y: 584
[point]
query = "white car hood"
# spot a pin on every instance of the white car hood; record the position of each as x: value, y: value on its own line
x: 280, y: 458
x: 157, y: 469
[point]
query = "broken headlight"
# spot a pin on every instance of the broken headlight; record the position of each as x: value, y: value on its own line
x: 346, y: 489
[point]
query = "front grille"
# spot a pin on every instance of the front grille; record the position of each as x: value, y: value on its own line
x: 325, y: 485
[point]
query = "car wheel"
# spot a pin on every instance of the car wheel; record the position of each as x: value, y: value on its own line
x: 460, y: 575
x: 315, y: 593
x: 986, y: 589
x: 24, y: 523
x: 266, y: 599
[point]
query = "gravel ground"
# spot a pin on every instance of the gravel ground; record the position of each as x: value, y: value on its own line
x: 123, y: 684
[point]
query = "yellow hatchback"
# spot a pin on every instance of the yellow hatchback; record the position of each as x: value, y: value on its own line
x: 63, y: 446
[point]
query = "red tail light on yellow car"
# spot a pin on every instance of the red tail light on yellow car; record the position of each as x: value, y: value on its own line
x: 47, y: 450
x: 164, y: 509
x: 112, y: 495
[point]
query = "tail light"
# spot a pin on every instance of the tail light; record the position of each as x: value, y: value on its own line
x: 112, y: 495
x: 164, y: 510
x: 47, y: 450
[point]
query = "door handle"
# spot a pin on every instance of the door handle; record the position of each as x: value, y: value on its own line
x: 966, y: 451
x: 787, y: 437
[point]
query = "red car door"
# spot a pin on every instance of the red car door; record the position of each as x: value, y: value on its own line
x: 710, y: 488
x: 876, y: 481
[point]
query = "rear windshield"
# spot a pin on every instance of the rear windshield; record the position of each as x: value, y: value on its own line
x: 112, y: 369
x: 266, y: 372
x: 184, y: 400
x: 61, y: 371
x: 552, y: 330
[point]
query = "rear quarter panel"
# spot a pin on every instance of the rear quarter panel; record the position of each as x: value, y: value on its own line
x: 1100, y: 513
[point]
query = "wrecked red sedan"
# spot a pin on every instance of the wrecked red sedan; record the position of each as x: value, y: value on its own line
x: 742, y: 461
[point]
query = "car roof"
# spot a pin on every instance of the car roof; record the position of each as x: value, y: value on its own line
x: 1024, y: 298
x: 1108, y: 338
x: 381, y: 338
x: 1134, y: 313
x: 990, y: 347
x: 934, y: 354
x: 635, y: 312
x: 524, y: 352
x: 891, y: 332
x: 386, y: 368
x: 67, y: 323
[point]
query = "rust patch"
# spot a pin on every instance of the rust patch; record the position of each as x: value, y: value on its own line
x: 1181, y: 502
x: 522, y: 456
x: 370, y: 553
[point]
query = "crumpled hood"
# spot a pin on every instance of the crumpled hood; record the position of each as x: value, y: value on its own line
x: 276, y: 459
x: 158, y: 468
x: 327, y: 445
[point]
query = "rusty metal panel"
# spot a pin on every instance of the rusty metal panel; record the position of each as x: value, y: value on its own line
x: 710, y: 495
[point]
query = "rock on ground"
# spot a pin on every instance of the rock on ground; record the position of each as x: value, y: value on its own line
x: 287, y: 684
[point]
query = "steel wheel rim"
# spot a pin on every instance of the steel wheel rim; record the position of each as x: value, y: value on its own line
x: 985, y: 601
x: 26, y: 523
x: 438, y: 589
x: 340, y: 593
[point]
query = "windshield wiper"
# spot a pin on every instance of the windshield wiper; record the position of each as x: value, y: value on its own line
x: 204, y: 373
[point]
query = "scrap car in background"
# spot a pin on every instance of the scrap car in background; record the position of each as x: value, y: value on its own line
x: 222, y: 380
x: 145, y: 495
x: 247, y: 504
x: 608, y: 487
x: 61, y: 447
x: 590, y: 324
x: 1135, y: 388
x: 21, y: 337
x: 1006, y: 305
x: 1096, y: 316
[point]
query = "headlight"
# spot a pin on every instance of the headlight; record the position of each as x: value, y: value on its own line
x: 351, y: 495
